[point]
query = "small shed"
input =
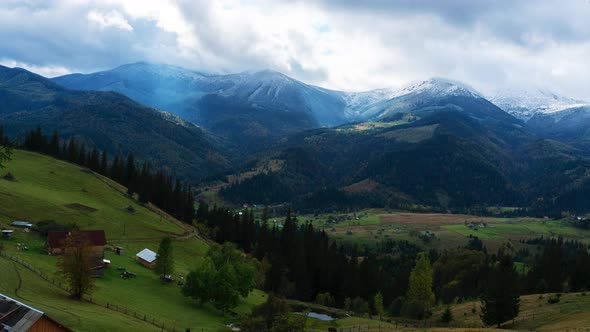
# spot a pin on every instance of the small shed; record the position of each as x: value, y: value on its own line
x: 120, y: 251
x: 7, y: 234
x: 147, y: 258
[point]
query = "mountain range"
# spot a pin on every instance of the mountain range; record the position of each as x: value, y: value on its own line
x: 107, y: 120
x: 436, y: 142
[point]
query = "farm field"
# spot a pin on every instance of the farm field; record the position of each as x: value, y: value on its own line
x: 45, y: 189
x: 446, y: 230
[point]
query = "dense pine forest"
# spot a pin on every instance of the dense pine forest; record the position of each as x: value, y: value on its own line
x: 302, y: 262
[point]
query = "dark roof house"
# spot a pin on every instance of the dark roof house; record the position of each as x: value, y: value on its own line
x: 93, y: 238
x: 19, y: 317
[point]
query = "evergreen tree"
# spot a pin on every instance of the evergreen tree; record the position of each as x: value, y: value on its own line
x: 93, y: 162
x: 54, y: 144
x: 129, y: 171
x: 165, y: 259
x: 103, y: 163
x: 82, y: 155
x: 500, y: 301
x: 72, y: 154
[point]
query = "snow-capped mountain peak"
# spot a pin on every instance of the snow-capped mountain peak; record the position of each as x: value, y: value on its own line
x: 440, y: 87
x: 525, y: 103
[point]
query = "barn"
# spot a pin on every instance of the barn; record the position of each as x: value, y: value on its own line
x: 96, y: 240
x: 147, y: 258
x: 17, y: 316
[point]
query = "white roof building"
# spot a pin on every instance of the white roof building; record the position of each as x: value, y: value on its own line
x: 147, y: 255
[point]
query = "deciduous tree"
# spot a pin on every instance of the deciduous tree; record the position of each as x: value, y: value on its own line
x: 420, y: 288
x: 77, y: 265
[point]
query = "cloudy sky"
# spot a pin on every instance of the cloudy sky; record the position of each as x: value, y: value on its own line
x: 341, y: 44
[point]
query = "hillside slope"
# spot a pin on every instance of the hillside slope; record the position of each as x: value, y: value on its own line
x: 444, y: 159
x: 106, y: 120
x: 48, y: 189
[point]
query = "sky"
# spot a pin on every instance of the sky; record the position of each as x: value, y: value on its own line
x: 349, y: 45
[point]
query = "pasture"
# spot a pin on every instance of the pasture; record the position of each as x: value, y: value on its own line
x: 440, y: 231
x: 49, y: 189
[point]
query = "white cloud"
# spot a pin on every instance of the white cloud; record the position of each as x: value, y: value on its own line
x: 47, y: 71
x: 109, y: 19
x: 346, y: 45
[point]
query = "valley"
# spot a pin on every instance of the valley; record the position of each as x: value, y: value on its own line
x: 331, y: 198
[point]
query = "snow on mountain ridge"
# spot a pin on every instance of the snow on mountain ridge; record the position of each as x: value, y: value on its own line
x: 524, y: 104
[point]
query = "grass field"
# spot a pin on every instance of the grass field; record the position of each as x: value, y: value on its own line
x: 23, y: 285
x: 450, y: 230
x: 536, y: 314
x: 48, y: 189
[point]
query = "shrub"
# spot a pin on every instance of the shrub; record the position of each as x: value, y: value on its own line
x: 447, y: 316
x: 414, y: 310
x: 46, y: 226
x: 395, y: 309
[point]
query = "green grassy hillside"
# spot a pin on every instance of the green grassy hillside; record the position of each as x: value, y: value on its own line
x: 49, y: 189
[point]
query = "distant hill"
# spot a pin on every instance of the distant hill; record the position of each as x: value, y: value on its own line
x: 443, y: 159
x: 571, y: 126
x: 109, y: 121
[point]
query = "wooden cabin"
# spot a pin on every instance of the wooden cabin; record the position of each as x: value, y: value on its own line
x: 96, y: 240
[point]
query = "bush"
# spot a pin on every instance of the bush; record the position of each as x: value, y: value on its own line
x: 553, y: 300
x: 541, y: 286
x: 447, y: 316
x: 360, y: 306
x: 325, y: 299
x: 414, y: 310
x: 46, y: 226
x: 9, y: 177
x: 396, y: 306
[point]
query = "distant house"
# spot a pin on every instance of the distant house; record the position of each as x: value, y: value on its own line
x: 96, y: 240
x: 19, y: 317
x: 147, y: 258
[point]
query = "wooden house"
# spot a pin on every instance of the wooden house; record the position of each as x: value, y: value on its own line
x: 17, y: 316
x: 96, y: 240
x: 147, y: 258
